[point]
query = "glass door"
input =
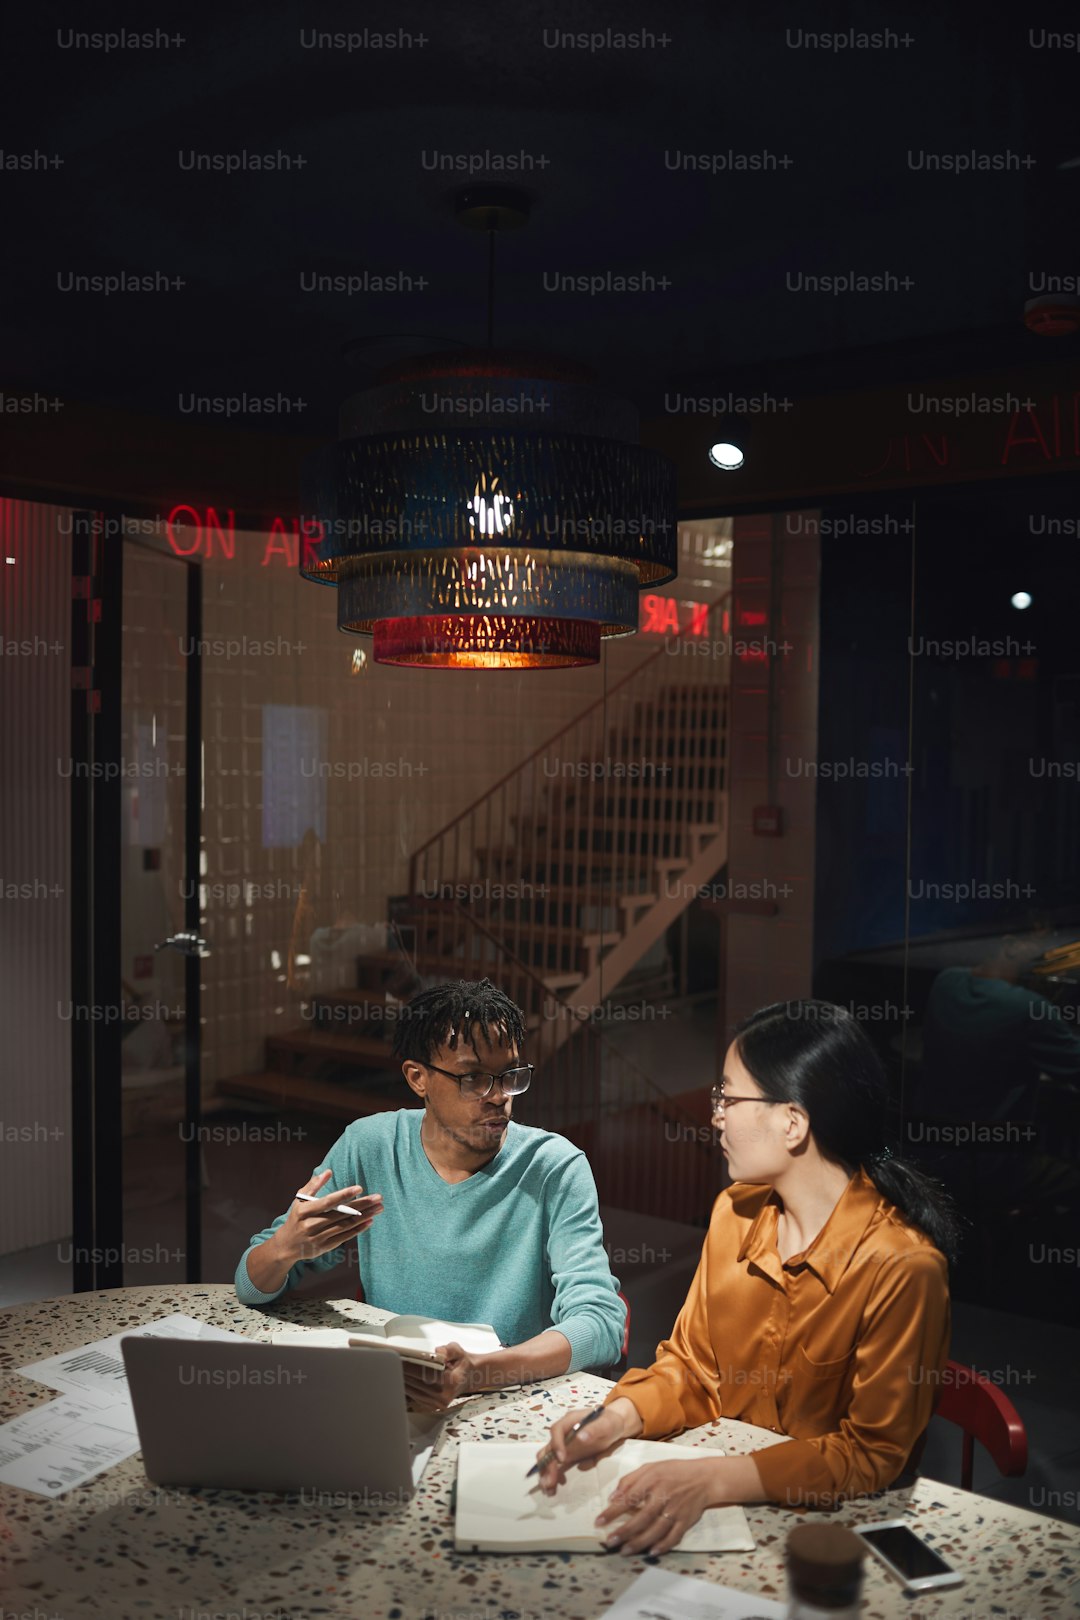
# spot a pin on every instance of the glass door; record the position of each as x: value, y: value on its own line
x: 161, y: 950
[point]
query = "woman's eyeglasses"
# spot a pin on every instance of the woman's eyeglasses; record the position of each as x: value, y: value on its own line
x: 722, y: 1099
x: 512, y: 1082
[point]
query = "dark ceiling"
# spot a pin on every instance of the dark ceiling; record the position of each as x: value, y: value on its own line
x: 602, y: 129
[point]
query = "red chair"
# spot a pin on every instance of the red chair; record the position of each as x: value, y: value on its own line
x: 970, y: 1400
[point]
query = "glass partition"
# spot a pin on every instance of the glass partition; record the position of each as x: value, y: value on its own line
x: 154, y: 894
x: 837, y: 759
x: 993, y: 883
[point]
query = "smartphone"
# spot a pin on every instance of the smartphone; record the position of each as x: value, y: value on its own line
x: 370, y: 1199
x: 907, y: 1556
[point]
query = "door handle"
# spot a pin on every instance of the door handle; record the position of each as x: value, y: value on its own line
x: 188, y: 944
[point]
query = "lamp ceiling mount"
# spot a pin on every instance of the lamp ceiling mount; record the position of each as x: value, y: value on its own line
x: 492, y: 208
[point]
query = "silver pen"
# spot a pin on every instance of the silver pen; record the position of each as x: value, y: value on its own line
x: 549, y: 1455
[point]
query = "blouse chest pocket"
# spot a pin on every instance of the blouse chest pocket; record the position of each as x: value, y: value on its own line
x: 818, y: 1395
x: 822, y: 1371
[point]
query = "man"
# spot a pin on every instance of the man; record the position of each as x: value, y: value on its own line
x: 986, y: 1038
x: 481, y: 1219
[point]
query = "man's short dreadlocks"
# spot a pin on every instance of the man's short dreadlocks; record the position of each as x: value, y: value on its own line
x: 448, y: 1013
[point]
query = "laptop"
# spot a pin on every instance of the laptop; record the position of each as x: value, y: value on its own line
x: 263, y: 1417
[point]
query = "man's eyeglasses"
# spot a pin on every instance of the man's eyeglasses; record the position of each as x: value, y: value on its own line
x: 722, y: 1099
x: 512, y: 1082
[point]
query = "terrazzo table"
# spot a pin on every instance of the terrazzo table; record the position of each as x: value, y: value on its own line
x: 121, y: 1548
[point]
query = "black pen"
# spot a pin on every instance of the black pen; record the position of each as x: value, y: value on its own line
x: 549, y: 1455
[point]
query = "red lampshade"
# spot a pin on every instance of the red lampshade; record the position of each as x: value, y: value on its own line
x: 454, y: 641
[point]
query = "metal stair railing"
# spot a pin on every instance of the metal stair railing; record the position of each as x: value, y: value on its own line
x: 561, y: 853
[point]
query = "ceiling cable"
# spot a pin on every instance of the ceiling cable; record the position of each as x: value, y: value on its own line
x: 491, y: 283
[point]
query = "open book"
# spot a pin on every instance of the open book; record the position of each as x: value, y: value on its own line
x: 499, y: 1510
x: 415, y: 1338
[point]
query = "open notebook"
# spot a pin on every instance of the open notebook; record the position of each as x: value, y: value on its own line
x: 415, y: 1338
x: 499, y: 1510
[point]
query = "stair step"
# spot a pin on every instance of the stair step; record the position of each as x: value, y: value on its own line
x: 359, y: 1051
x: 595, y: 895
x: 636, y: 812
x: 682, y: 744
x: 686, y: 698
x: 507, y: 929
x: 523, y: 864
x: 378, y: 971
x: 584, y: 885
x: 560, y: 912
x: 364, y: 1001
x: 562, y: 981
x: 602, y: 823
x: 671, y: 726
x: 294, y: 1094
x: 666, y: 794
x: 353, y: 1012
x: 539, y: 918
x: 399, y: 958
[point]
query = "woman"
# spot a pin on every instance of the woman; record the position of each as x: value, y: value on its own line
x: 820, y: 1307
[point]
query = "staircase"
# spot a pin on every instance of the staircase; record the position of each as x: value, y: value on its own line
x: 576, y: 863
x: 560, y: 883
x: 338, y: 1063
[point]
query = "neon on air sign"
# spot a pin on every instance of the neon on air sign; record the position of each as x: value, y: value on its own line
x: 667, y: 616
x: 205, y: 532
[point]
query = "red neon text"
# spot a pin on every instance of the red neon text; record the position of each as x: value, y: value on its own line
x: 665, y: 616
x: 210, y: 534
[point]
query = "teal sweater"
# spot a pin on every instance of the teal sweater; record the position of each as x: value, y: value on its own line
x: 518, y: 1244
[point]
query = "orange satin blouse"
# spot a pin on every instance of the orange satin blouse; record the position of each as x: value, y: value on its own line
x: 840, y: 1348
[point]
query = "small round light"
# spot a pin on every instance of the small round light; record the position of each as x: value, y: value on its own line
x: 1021, y: 599
x: 728, y: 457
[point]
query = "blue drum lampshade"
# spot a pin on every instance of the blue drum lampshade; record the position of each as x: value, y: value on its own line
x: 488, y: 511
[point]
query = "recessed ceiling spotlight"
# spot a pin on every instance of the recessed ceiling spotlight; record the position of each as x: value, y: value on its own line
x: 728, y: 457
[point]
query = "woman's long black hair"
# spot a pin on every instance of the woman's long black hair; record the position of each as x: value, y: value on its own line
x: 816, y: 1054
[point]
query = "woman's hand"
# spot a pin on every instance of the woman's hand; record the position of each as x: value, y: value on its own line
x: 598, y: 1439
x: 658, y: 1504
